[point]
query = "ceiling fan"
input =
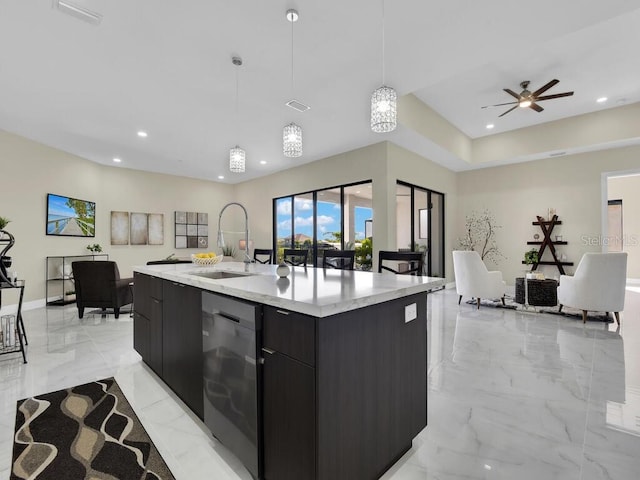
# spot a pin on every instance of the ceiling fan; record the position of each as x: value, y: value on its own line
x: 527, y: 99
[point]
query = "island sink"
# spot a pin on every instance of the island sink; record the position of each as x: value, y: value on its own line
x: 220, y: 274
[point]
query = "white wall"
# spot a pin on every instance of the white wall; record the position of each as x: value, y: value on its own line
x: 515, y: 194
x: 31, y: 170
x: 627, y: 189
x: 368, y: 163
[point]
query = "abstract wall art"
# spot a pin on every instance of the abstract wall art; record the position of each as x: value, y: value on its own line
x: 192, y: 230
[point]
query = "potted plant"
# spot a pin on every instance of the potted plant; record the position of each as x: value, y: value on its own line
x: 3, y: 223
x: 229, y: 253
x: 364, y: 253
x: 531, y: 258
x: 95, y: 248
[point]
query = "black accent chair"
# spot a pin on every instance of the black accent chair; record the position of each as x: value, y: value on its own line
x: 295, y: 257
x: 262, y: 252
x: 339, y: 259
x: 98, y: 284
x: 410, y: 262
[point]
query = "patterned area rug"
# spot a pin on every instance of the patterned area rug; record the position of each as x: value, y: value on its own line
x: 494, y: 303
x: 576, y: 314
x: 85, y: 432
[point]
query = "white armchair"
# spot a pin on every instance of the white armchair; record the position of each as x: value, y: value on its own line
x: 474, y: 280
x: 598, y: 284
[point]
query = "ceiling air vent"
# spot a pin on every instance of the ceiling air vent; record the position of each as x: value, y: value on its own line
x: 296, y: 105
x: 77, y: 12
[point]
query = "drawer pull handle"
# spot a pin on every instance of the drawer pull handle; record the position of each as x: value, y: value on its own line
x: 283, y: 312
x: 268, y: 350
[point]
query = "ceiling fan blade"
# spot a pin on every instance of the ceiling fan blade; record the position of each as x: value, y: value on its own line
x: 512, y: 108
x: 535, y: 107
x: 557, y: 95
x: 499, y: 104
x: 512, y: 93
x: 546, y: 87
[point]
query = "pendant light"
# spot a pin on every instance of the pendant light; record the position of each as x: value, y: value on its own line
x: 383, y: 100
x: 292, y: 133
x: 237, y: 156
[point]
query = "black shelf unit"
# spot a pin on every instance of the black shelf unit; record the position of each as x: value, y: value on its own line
x: 53, y: 264
x: 547, y: 227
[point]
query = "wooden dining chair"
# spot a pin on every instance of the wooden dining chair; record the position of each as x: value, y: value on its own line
x: 339, y: 259
x: 296, y: 257
x: 410, y: 262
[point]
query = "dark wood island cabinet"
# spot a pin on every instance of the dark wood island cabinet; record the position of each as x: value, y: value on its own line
x: 343, y: 394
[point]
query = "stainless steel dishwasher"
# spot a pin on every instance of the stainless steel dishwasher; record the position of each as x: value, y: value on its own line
x: 230, y: 343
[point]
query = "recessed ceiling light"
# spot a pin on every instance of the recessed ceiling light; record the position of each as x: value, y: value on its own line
x: 117, y: 160
x: 142, y: 134
x: 263, y: 162
x: 220, y: 177
x: 602, y: 99
x: 490, y: 126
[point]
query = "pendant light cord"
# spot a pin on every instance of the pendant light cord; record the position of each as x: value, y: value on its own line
x: 383, y: 43
x: 292, y: 84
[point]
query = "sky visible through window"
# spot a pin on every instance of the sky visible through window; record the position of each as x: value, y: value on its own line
x: 328, y: 217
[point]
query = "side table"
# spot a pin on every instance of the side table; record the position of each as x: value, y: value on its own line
x: 541, y: 293
x: 16, y: 340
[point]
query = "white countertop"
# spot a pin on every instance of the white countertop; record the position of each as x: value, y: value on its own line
x: 312, y: 291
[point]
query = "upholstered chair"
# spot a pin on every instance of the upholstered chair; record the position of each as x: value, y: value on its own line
x: 98, y: 284
x: 473, y: 279
x: 598, y: 284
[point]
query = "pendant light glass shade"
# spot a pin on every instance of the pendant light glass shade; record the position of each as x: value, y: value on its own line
x: 384, y: 109
x: 292, y: 140
x: 236, y: 159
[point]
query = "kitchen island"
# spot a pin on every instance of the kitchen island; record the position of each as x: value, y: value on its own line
x: 341, y: 360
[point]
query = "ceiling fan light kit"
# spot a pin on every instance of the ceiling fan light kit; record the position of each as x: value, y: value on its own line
x: 526, y: 99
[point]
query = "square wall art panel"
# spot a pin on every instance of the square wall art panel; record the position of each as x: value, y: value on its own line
x: 192, y: 230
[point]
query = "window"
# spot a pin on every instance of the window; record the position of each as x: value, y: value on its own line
x: 336, y: 218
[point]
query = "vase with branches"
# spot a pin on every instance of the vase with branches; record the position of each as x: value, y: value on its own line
x: 480, y: 230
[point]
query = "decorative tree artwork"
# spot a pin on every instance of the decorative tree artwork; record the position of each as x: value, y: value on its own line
x: 480, y: 229
x: 192, y: 230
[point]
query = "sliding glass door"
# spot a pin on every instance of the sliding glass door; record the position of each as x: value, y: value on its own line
x: 336, y: 218
x: 420, y: 225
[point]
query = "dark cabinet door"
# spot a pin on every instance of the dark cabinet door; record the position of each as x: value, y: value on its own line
x: 182, y: 343
x: 142, y: 294
x: 289, y: 418
x: 141, y: 335
x: 155, y: 336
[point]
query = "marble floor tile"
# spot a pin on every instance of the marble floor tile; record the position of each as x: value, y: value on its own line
x: 512, y: 394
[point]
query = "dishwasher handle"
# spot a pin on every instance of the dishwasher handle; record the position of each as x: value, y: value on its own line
x: 268, y: 351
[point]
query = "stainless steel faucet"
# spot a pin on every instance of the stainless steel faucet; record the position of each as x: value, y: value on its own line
x: 246, y: 230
